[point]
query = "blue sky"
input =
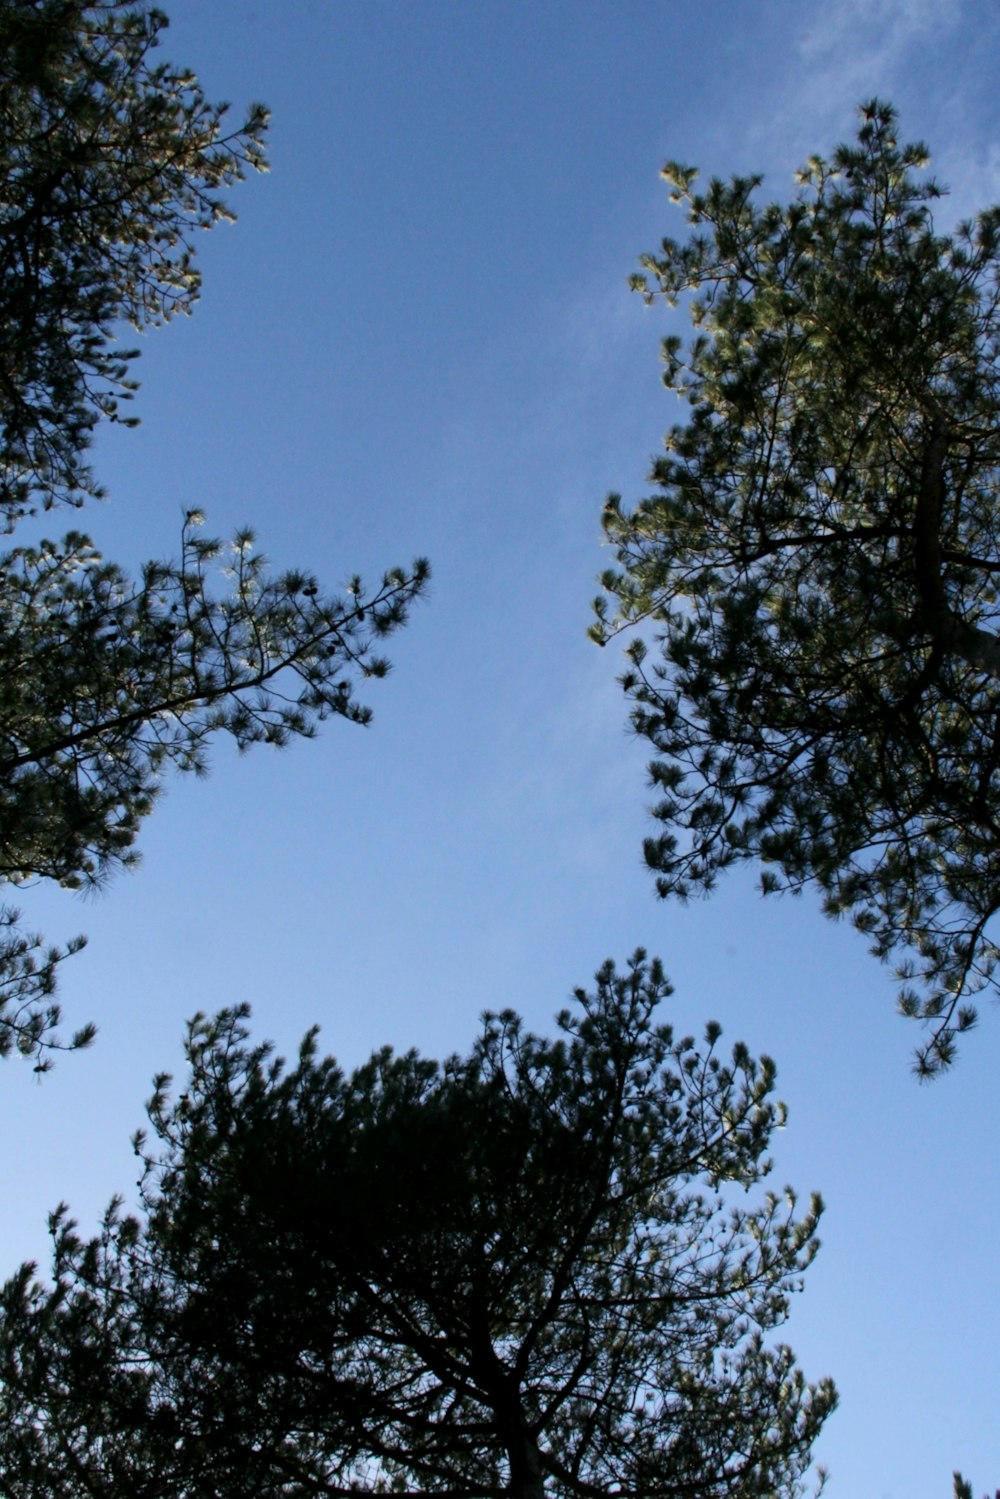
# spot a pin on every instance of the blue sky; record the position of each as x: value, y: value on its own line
x: 418, y: 339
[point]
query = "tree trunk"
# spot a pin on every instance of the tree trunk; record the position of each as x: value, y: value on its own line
x: 980, y: 648
x: 504, y: 1395
x: 526, y: 1480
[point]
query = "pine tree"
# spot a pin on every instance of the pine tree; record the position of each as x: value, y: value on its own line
x: 963, y: 1490
x: 819, y: 560
x: 109, y: 164
x: 529, y: 1271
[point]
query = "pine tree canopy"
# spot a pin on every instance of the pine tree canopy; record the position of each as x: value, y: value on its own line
x: 529, y: 1271
x: 109, y: 162
x: 819, y: 560
x: 963, y: 1490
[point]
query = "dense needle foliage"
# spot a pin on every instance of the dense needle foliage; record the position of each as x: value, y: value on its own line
x: 109, y: 163
x: 820, y: 560
x: 529, y: 1271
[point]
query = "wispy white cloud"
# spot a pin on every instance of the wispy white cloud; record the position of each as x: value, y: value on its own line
x: 850, y: 50
x: 873, y: 33
x: 930, y: 58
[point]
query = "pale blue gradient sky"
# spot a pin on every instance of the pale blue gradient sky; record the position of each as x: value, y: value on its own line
x: 418, y: 339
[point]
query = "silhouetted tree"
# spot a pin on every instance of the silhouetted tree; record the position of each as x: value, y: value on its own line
x: 820, y: 561
x: 529, y: 1271
x: 963, y: 1490
x: 108, y: 164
